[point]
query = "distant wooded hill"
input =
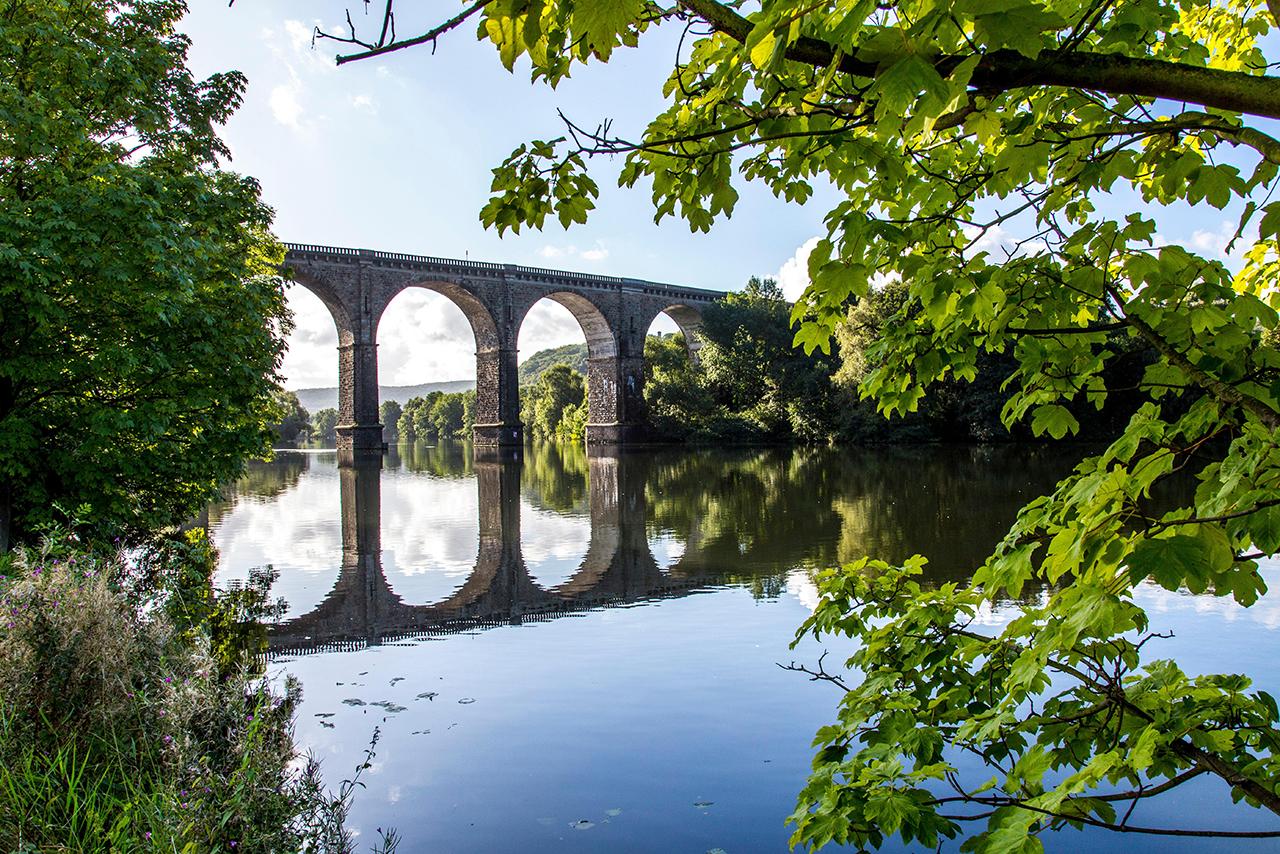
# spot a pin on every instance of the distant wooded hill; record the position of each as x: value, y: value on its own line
x: 573, y: 355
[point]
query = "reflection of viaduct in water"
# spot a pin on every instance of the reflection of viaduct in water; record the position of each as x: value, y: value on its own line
x: 363, y: 610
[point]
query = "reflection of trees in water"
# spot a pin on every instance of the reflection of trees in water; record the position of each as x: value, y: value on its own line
x: 952, y: 504
x: 262, y: 480
x: 744, y: 511
x: 554, y: 477
x: 749, y: 514
x: 444, y: 459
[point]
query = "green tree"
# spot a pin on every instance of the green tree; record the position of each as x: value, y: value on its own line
x: 292, y: 420
x: 468, y: 412
x: 750, y: 384
x: 1068, y: 124
x: 573, y: 355
x: 675, y: 390
x: 415, y: 422
x: 446, y: 415
x: 389, y: 412
x: 143, y: 319
x: 324, y: 425
x: 543, y: 407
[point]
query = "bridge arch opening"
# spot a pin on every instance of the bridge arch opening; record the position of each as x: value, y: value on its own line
x: 560, y: 329
x: 428, y: 336
x: 682, y: 320
x: 310, y: 364
x: 671, y: 364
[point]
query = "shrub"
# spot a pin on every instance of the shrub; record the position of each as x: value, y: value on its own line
x: 134, y: 713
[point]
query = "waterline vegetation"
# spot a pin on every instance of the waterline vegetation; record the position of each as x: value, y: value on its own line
x: 144, y: 322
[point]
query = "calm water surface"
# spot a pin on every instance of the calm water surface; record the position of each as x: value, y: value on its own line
x: 579, y: 653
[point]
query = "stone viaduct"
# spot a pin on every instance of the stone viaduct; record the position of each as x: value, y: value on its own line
x: 356, y: 285
x: 619, y: 567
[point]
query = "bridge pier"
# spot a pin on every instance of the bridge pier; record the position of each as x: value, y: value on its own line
x: 358, y: 426
x: 615, y: 400
x: 498, y: 399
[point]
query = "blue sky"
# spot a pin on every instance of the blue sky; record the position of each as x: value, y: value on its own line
x: 395, y: 154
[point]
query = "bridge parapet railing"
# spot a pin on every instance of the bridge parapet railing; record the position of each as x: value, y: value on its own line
x: 537, y: 273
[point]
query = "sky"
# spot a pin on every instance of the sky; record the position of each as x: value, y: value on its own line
x: 395, y: 154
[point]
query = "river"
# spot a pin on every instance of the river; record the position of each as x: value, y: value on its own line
x: 571, y: 652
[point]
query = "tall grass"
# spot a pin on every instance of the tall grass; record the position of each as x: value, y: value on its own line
x: 134, y: 715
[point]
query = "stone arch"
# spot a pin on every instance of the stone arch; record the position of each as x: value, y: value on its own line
x: 332, y: 301
x: 602, y: 352
x: 497, y: 405
x: 602, y: 343
x: 483, y: 325
x: 689, y: 321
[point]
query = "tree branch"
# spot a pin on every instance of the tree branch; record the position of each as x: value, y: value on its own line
x: 387, y: 47
x: 1004, y: 70
x: 1219, y: 389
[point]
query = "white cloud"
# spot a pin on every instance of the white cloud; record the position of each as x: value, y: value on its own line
x: 299, y: 35
x: 794, y: 275
x: 365, y: 103
x: 423, y: 337
x: 595, y: 253
x: 1218, y: 244
x: 992, y: 241
x: 285, y: 105
x: 302, y: 64
x: 548, y: 324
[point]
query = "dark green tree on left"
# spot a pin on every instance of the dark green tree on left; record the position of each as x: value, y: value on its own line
x: 143, y: 319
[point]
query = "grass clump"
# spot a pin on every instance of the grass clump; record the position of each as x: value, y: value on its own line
x: 135, y: 714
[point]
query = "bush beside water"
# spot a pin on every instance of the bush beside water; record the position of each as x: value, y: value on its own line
x: 135, y: 714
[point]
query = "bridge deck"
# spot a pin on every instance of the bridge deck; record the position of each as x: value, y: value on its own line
x: 430, y: 264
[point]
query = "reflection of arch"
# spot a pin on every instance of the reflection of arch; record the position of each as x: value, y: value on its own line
x: 618, y: 558
x: 362, y: 608
x: 476, y: 312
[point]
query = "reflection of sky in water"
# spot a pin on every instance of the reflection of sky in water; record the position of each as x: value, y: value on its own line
x: 430, y: 528
x: 629, y: 717
x: 298, y: 531
x: 554, y: 545
x: 667, y: 549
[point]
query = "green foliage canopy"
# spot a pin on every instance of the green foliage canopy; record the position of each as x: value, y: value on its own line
x: 437, y: 415
x: 324, y: 424
x: 1067, y: 123
x: 143, y: 320
x: 293, y: 420
x: 554, y: 406
x: 389, y: 413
